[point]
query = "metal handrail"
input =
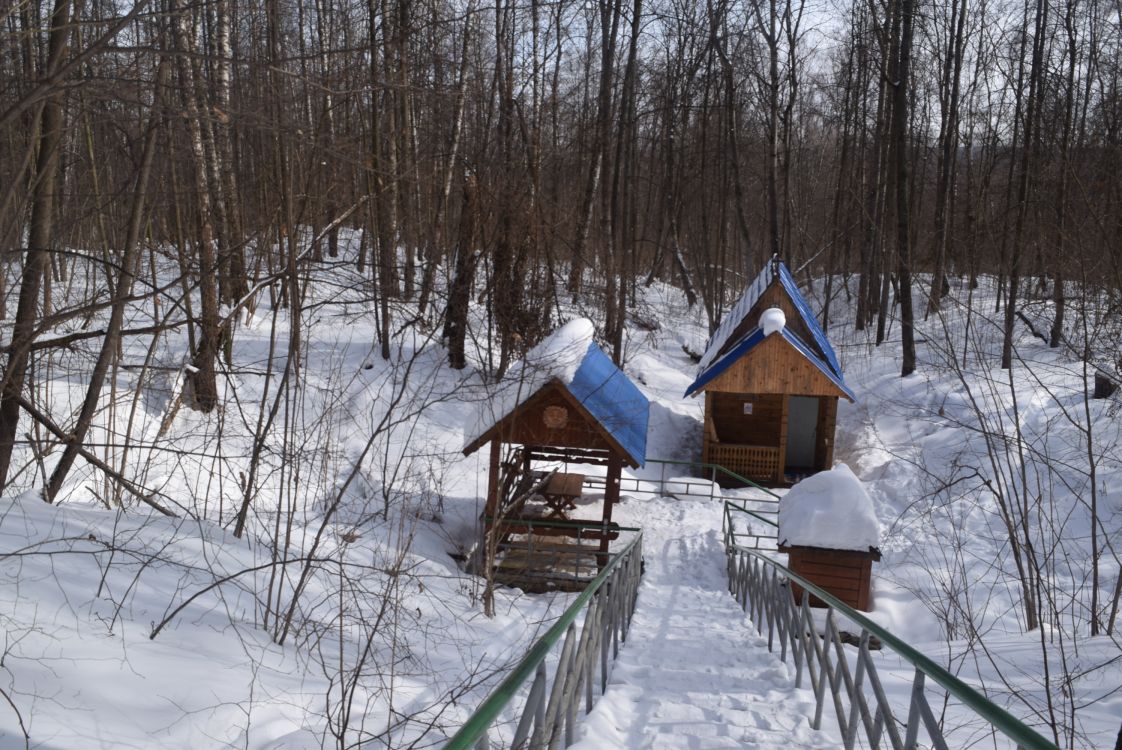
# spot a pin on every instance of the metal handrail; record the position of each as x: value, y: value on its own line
x: 734, y: 537
x: 617, y: 582
x: 560, y: 523
x: 771, y: 603
x: 731, y: 505
x: 727, y: 522
x: 714, y: 469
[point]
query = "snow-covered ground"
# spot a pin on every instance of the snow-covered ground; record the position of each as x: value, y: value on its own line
x: 342, y: 616
x: 693, y: 672
x: 940, y: 452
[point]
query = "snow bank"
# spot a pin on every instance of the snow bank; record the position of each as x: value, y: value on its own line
x: 559, y: 356
x: 772, y: 320
x: 830, y: 509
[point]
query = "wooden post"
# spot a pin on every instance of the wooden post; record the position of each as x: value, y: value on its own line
x: 824, y: 433
x: 706, y: 449
x: 611, y: 497
x: 830, y: 404
x: 492, y: 508
x: 779, y: 469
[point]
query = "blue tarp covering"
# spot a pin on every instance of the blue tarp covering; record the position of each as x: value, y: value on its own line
x: 613, y: 400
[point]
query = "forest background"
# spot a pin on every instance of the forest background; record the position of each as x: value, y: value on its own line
x: 173, y: 173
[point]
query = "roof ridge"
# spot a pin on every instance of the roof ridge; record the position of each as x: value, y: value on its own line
x: 721, y: 345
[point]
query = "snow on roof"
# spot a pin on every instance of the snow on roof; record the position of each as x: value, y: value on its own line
x: 772, y: 320
x: 736, y: 314
x: 556, y: 356
x: 830, y: 510
x: 748, y: 300
x: 570, y: 356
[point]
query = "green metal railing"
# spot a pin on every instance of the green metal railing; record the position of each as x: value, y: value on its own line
x: 609, y: 600
x: 747, y: 536
x: 539, y: 564
x: 762, y: 587
x: 552, y: 704
x: 558, y: 523
x: 707, y: 473
x: 713, y: 470
x: 766, y: 510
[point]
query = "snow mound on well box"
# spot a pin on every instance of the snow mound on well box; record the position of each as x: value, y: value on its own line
x: 830, y: 509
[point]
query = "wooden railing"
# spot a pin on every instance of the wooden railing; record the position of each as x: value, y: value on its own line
x: 759, y: 462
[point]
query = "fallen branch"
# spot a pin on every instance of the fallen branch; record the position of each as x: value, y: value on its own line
x: 129, y: 486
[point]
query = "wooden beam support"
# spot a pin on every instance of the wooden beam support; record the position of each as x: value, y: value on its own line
x: 569, y: 455
x: 493, y: 479
x: 707, y: 429
x: 782, y: 466
x: 611, y: 497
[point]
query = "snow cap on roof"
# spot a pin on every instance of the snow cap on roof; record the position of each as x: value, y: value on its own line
x: 772, y: 320
x: 775, y: 270
x: 736, y: 314
x: 830, y: 510
x: 561, y: 352
x: 558, y: 355
x: 570, y: 355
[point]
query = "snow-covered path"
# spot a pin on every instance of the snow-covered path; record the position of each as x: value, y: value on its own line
x: 694, y: 673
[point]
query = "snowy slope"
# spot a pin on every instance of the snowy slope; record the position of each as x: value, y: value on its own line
x: 362, y: 500
x: 936, y: 450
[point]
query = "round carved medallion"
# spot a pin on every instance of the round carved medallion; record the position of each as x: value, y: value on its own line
x: 555, y: 417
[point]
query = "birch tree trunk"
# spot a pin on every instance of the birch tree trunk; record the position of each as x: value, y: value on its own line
x: 900, y: 159
x: 203, y: 380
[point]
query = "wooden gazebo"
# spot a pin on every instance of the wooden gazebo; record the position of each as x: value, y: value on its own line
x: 771, y: 382
x: 564, y: 407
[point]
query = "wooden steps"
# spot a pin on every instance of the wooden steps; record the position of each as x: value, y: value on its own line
x: 538, y: 563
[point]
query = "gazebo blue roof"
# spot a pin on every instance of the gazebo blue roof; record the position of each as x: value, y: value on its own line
x: 615, y: 402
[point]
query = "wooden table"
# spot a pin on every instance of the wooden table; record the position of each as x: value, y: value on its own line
x: 561, y: 491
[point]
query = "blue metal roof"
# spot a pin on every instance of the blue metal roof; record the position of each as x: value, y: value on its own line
x: 821, y: 354
x: 736, y: 314
x: 808, y: 317
x: 754, y: 339
x: 613, y: 400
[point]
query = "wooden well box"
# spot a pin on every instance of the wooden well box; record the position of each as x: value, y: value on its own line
x: 847, y: 574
